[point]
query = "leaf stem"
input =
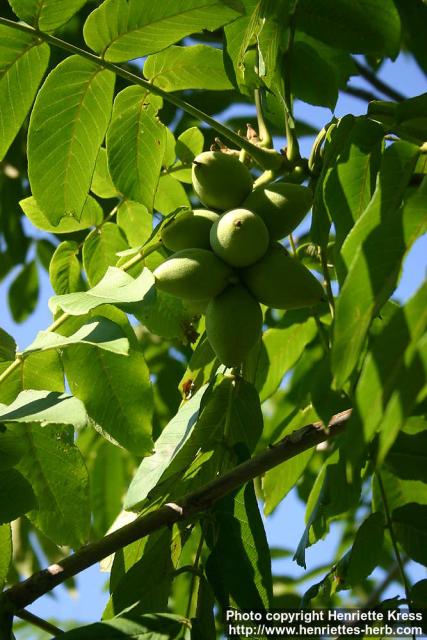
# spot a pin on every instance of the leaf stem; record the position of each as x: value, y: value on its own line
x: 263, y: 131
x: 292, y: 148
x: 27, y: 616
x: 266, y: 158
x: 327, y: 279
x: 389, y: 526
x: 379, y: 84
x: 195, y: 576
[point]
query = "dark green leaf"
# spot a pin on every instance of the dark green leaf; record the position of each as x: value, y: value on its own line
x: 107, y: 483
x: 313, y: 79
x: 60, y: 174
x: 116, y: 392
x: 398, y: 492
x: 373, y: 253
x: 410, y: 526
x: 6, y: 552
x: 155, y: 626
x: 167, y: 316
x: 391, y: 378
x: 239, y: 566
x: 7, y: 346
x: 366, y: 26
x: 16, y: 496
x: 279, y: 481
x: 23, y: 61
x: 407, y: 458
x: 414, y: 22
x: 366, y: 550
x: 419, y: 593
x: 126, y: 29
x: 24, y: 292
x: 147, y: 594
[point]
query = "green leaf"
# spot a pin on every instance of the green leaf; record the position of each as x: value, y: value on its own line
x: 38, y: 371
x: 100, y: 251
x: 11, y: 448
x: 407, y: 458
x: 279, y: 481
x: 7, y: 346
x: 414, y: 22
x: 349, y: 184
x: 366, y: 550
x: 91, y: 216
x: 108, y: 484
x: 373, y: 253
x: 24, y: 292
x: 168, y: 317
x: 419, y: 593
x: 16, y: 496
x: 366, y: 26
x: 239, y: 566
x: 127, y: 29
x: 191, y: 67
x: 410, y: 526
x: 145, y: 595
x: 23, y: 62
x: 313, y: 78
x: 281, y: 347
x: 398, y: 492
x: 64, y: 268
x: 189, y: 144
x: 98, y: 332
x: 45, y: 407
x: 116, y: 287
x: 170, y: 195
x: 154, y: 626
x: 67, y: 127
x: 116, y: 392
x: 392, y: 376
x: 102, y: 184
x: 168, y: 445
x: 6, y: 552
x: 55, y: 468
x: 135, y: 222
x: 46, y: 15
x: 136, y: 142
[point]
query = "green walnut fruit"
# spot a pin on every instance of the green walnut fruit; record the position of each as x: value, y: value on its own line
x: 281, y: 281
x: 193, y: 274
x: 282, y: 206
x: 189, y: 229
x: 220, y: 180
x: 239, y: 237
x: 233, y: 324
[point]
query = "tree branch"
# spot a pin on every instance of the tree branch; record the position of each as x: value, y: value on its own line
x: 26, y: 592
x: 29, y: 617
x: 362, y: 94
x: 266, y: 158
x: 379, y: 84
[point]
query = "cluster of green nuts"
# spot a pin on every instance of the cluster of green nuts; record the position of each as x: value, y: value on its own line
x: 227, y: 257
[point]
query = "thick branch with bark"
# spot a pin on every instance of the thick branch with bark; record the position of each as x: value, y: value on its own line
x: 24, y: 593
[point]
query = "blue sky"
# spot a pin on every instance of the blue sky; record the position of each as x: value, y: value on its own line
x: 286, y: 525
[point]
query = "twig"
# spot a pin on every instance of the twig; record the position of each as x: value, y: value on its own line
x: 266, y: 158
x: 26, y: 592
x: 263, y: 131
x: 327, y: 279
x: 362, y: 94
x: 292, y: 146
x: 378, y: 83
x: 27, y: 616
